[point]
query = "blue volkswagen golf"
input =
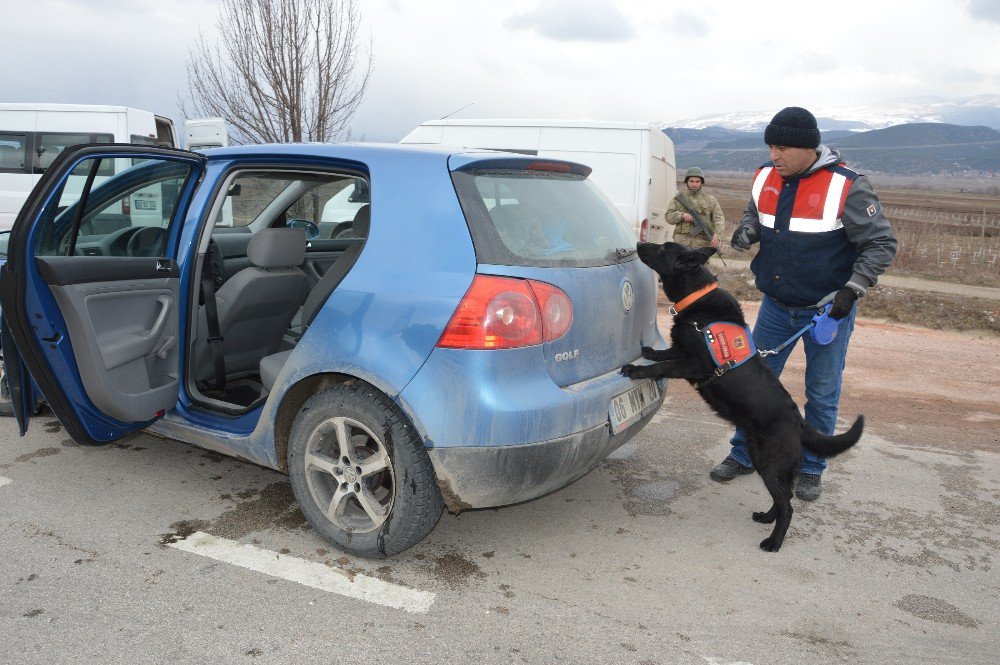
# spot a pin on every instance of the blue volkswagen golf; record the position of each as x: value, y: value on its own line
x: 458, y: 346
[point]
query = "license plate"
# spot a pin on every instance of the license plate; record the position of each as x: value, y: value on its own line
x: 145, y: 205
x: 628, y: 407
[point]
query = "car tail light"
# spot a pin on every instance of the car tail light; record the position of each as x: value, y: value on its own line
x: 644, y: 231
x: 505, y: 313
x: 555, y: 308
x: 126, y: 206
x: 558, y: 167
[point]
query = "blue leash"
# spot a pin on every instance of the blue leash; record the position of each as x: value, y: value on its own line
x: 770, y: 352
x: 827, y: 332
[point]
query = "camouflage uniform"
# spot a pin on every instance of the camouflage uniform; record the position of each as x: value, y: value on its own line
x: 708, y: 209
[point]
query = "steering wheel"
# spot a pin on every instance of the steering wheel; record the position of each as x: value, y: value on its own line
x: 147, y: 241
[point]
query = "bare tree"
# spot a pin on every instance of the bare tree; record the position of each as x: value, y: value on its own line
x: 283, y: 70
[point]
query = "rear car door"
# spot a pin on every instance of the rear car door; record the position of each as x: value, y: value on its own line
x: 90, y: 290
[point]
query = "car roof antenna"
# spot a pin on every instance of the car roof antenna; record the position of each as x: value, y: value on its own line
x: 454, y: 112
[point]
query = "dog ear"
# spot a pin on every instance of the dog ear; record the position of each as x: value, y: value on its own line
x: 707, y: 251
x: 695, y: 258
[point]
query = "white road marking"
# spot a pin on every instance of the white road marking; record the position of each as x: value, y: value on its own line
x: 308, y: 573
x: 5, y: 481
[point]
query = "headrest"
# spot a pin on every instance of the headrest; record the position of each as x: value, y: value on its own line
x: 362, y: 221
x: 277, y: 248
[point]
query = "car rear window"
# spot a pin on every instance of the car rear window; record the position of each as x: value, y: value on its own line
x: 540, y: 218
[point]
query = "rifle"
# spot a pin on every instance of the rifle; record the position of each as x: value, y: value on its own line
x: 700, y: 223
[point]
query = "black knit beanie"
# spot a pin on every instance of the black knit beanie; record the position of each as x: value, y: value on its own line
x: 793, y: 127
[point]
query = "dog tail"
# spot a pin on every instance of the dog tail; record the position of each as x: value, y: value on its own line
x: 829, y: 446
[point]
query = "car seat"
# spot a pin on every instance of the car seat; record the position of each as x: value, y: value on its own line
x: 256, y: 304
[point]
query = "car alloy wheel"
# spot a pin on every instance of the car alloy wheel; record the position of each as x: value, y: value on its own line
x: 348, y: 471
x: 360, y: 473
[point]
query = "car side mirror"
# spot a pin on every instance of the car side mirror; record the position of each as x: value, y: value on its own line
x: 310, y: 228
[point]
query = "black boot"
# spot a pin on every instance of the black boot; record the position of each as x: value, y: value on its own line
x: 810, y: 487
x: 728, y: 469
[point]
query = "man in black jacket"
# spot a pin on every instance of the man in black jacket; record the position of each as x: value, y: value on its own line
x: 822, y: 233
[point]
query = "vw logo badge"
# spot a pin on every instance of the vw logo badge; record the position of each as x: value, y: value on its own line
x: 627, y: 295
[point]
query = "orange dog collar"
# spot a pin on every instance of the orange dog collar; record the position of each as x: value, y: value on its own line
x: 691, y: 297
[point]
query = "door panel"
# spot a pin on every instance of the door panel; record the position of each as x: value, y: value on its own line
x: 63, y: 270
x: 95, y: 316
x: 128, y: 334
x: 658, y: 200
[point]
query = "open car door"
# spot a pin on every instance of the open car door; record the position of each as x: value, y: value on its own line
x: 90, y: 290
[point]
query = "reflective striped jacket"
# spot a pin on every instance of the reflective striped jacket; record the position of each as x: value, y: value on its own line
x: 805, y: 251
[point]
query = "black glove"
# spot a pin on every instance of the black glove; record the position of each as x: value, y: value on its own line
x: 743, y: 237
x: 842, y: 302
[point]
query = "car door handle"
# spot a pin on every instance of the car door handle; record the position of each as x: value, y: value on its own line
x: 162, y: 265
x: 161, y: 318
x: 164, y: 346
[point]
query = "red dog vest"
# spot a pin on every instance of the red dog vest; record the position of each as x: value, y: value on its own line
x: 730, y: 344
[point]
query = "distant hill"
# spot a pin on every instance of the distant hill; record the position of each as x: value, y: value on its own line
x: 980, y: 110
x: 914, y: 134
x: 921, y: 148
x: 683, y: 135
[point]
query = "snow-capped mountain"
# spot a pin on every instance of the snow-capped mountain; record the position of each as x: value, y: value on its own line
x: 981, y: 110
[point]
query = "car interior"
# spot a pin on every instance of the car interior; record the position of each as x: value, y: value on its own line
x: 275, y: 245
x: 272, y: 256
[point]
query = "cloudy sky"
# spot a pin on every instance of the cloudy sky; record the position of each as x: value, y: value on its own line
x: 646, y: 60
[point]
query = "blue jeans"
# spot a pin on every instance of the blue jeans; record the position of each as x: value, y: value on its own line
x: 824, y: 367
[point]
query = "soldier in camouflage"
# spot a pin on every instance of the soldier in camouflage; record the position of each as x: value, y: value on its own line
x: 686, y: 229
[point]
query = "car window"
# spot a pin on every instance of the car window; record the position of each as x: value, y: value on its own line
x: 127, y: 214
x: 345, y: 204
x: 49, y: 145
x: 540, y: 218
x: 13, y: 152
x: 250, y: 193
x: 311, y: 204
x: 264, y: 199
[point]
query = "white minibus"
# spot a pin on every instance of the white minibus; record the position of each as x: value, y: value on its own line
x: 633, y: 162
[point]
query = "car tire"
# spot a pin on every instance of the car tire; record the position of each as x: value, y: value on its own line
x: 360, y: 473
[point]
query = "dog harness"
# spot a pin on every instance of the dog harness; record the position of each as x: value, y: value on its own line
x: 730, y: 344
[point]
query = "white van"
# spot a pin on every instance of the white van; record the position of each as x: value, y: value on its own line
x: 633, y: 163
x: 33, y: 135
x: 205, y: 133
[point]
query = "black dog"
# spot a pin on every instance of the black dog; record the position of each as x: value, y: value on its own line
x: 749, y: 395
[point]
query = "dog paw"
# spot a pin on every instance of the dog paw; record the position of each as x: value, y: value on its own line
x: 763, y: 518
x: 649, y: 353
x: 768, y: 545
x: 631, y: 371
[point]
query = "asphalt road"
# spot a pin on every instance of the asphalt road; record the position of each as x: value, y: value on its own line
x: 645, y: 560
